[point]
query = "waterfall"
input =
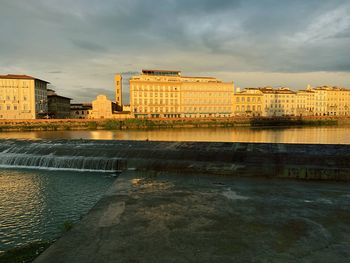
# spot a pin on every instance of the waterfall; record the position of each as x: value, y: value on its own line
x: 53, y: 157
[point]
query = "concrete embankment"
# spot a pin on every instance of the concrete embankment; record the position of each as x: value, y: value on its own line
x: 174, y: 218
x: 103, y: 124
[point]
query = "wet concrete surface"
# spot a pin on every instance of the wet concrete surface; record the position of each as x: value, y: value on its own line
x: 164, y: 217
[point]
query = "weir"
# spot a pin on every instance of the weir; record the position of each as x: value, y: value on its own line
x: 300, y: 161
x: 32, y: 155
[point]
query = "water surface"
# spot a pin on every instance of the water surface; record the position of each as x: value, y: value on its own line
x: 314, y: 135
x: 34, y: 204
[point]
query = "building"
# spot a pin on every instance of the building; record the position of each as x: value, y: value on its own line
x: 278, y: 102
x: 167, y: 94
x: 266, y: 102
x: 118, y: 91
x: 126, y: 108
x: 249, y: 102
x: 58, y: 106
x: 80, y: 110
x: 332, y: 101
x: 305, y: 102
x: 22, y: 97
x: 103, y: 108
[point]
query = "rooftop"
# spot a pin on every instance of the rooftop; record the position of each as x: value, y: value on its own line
x: 281, y: 90
x: 160, y: 72
x: 13, y: 76
x: 194, y: 77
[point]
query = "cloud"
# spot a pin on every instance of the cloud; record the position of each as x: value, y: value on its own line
x: 90, y: 40
x: 87, y: 45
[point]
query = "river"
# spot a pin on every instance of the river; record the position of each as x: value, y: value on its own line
x: 35, y: 204
x: 311, y: 135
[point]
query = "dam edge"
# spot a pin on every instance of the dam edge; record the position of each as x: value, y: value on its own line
x: 276, y: 160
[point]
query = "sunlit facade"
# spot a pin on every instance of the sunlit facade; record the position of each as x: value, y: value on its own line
x: 266, y: 102
x: 332, y: 101
x: 305, y: 102
x: 22, y: 97
x: 249, y: 103
x: 102, y: 108
x: 167, y: 94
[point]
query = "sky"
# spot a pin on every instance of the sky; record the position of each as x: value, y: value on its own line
x: 79, y: 45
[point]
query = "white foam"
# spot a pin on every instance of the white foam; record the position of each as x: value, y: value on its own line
x: 55, y: 168
x: 232, y: 195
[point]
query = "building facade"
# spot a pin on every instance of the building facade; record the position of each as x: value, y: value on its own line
x: 278, y: 102
x: 249, y: 103
x: 118, y: 81
x: 80, y: 110
x: 167, y: 94
x: 22, y: 97
x: 305, y: 102
x: 58, y: 106
x: 102, y: 108
x: 332, y: 101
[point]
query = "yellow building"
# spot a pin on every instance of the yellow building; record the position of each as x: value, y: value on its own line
x: 305, y: 102
x: 249, y: 102
x: 278, y: 102
x: 163, y: 93
x: 332, y: 101
x: 102, y: 108
x: 118, y: 91
x: 22, y: 97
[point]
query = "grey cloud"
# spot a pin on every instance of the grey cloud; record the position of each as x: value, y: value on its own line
x: 88, y: 45
x: 89, y: 39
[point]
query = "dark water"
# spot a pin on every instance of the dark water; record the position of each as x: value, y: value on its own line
x: 317, y: 135
x: 34, y: 204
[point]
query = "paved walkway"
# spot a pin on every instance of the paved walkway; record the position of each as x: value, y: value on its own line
x: 159, y: 217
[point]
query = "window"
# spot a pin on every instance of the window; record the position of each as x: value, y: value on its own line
x: 8, y: 107
x: 15, y: 107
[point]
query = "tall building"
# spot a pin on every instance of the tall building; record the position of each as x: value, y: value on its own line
x: 167, y: 94
x: 118, y: 91
x: 22, y: 97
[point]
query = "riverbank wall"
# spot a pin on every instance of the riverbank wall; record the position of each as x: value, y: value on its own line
x: 105, y: 124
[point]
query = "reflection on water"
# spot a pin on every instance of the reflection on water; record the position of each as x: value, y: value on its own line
x: 35, y: 204
x: 323, y: 135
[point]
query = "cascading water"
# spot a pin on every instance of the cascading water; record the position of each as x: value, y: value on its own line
x: 57, y: 156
